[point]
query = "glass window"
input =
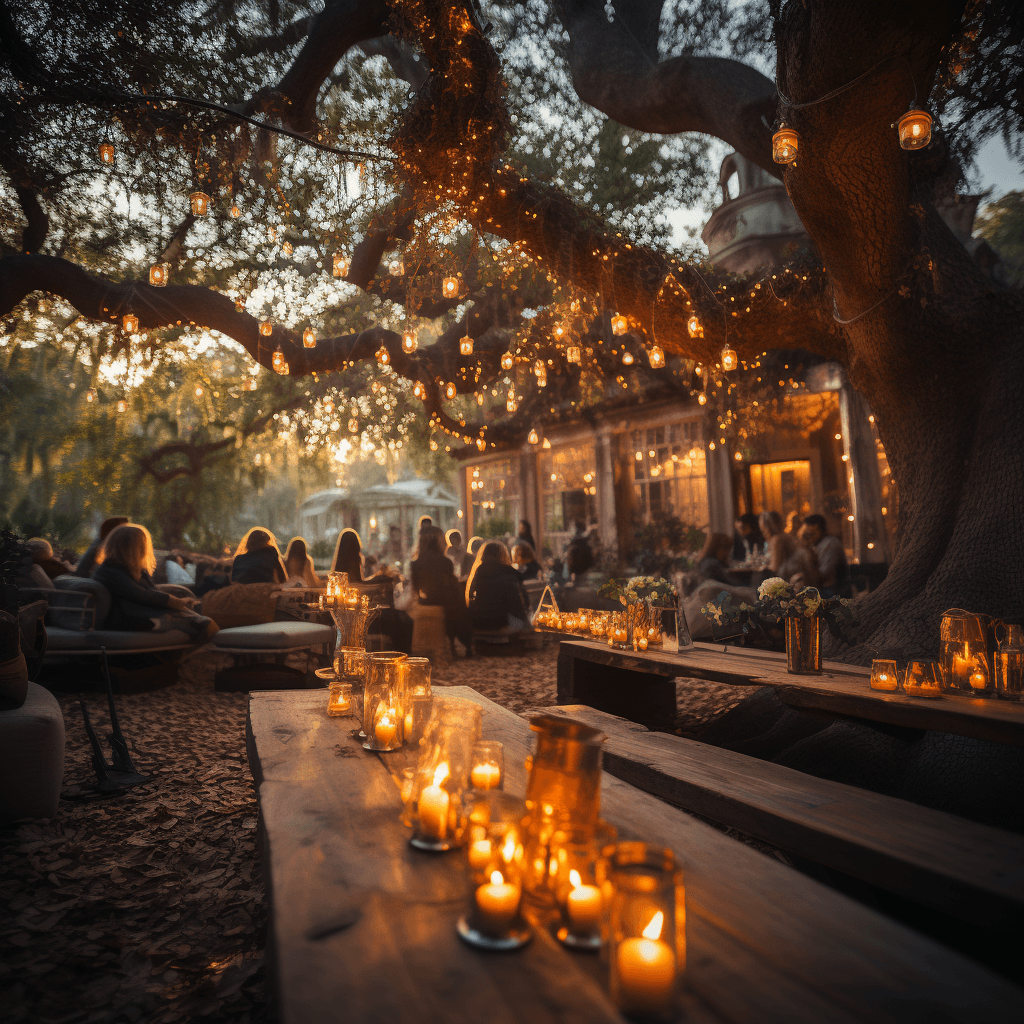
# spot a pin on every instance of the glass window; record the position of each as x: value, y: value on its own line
x: 569, y: 491
x: 494, y: 494
x: 669, y: 472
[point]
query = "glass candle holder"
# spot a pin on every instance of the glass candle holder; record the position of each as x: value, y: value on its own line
x: 418, y: 711
x: 966, y: 666
x: 884, y: 675
x: 437, y: 805
x: 348, y: 663
x: 340, y: 700
x: 493, y: 918
x: 922, y: 679
x: 383, y: 718
x: 1010, y: 663
x: 645, y: 929
x: 488, y: 770
x: 417, y: 677
x: 579, y: 898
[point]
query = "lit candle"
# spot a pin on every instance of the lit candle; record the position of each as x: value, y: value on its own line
x: 479, y: 853
x: 497, y: 903
x: 641, y: 643
x: 583, y: 903
x: 408, y: 724
x: 339, y: 703
x: 485, y: 776
x: 647, y: 970
x: 433, y: 804
x: 978, y: 679
x: 386, y: 728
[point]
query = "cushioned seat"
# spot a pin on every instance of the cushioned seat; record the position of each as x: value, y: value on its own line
x: 31, y: 757
x: 58, y: 639
x: 268, y: 636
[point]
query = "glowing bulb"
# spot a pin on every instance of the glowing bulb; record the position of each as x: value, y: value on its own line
x: 619, y: 324
x: 409, y: 341
x: 545, y: 443
x: 572, y: 354
x: 449, y: 391
x: 158, y: 274
x: 278, y: 362
x: 309, y: 338
x: 236, y: 210
x: 419, y: 391
x: 785, y: 143
x: 507, y: 360
x: 122, y: 405
x: 353, y: 426
x: 702, y: 399
x: 341, y: 265
x: 466, y: 345
x: 199, y: 392
x: 450, y: 287
x: 533, y: 437
x: 481, y: 443
x: 560, y: 331
x: 383, y: 356
x: 328, y: 406
x: 656, y: 357
x: 266, y: 328
x: 200, y: 203
x: 510, y: 403
x: 915, y: 129
x: 729, y: 359
x: 90, y: 395
x: 106, y: 153
x: 627, y: 358
x: 130, y: 322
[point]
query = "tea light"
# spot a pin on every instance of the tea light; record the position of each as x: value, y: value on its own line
x: 433, y: 805
x: 884, y: 675
x: 386, y: 727
x: 408, y: 723
x: 485, y: 776
x: 479, y: 854
x: 641, y: 643
x: 497, y: 903
x: 583, y: 903
x: 978, y: 678
x: 340, y: 701
x: 647, y: 970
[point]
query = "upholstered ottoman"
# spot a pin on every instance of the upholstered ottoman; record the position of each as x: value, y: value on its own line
x: 278, y: 639
x: 31, y: 757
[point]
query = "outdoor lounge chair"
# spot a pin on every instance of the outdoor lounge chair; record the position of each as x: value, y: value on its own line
x: 276, y: 639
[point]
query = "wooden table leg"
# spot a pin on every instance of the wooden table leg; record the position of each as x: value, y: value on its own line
x: 638, y: 696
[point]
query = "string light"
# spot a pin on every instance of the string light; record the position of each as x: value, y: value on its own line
x: 236, y: 210
x: 130, y: 322
x: 159, y: 274
x: 90, y: 395
x: 533, y: 437
x: 572, y: 354
x: 627, y: 358
x: 560, y: 331
x: 200, y: 203
x: 656, y: 357
x: 785, y: 143
x: 481, y: 443
x: 410, y: 341
x: 729, y: 359
x: 546, y: 443
x: 702, y: 399
x: 309, y: 338
x: 694, y: 327
x: 466, y: 345
x: 510, y: 403
x: 450, y: 287
x: 915, y: 129
x: 341, y: 264
x: 419, y: 391
x: 619, y: 324
x: 507, y: 360
x: 353, y: 425
x: 278, y: 362
x: 266, y: 328
x: 383, y: 356
x: 450, y: 391
x: 106, y: 153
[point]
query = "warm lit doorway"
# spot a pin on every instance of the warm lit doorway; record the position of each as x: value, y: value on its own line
x: 783, y: 487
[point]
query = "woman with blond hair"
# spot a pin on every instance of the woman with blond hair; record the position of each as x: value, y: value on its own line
x: 298, y: 565
x: 494, y: 592
x: 124, y: 565
x: 258, y: 559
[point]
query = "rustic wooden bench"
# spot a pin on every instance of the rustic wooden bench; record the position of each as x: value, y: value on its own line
x: 363, y: 927
x: 640, y: 686
x: 968, y: 870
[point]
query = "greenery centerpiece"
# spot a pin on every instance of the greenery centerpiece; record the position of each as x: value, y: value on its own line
x: 640, y: 596
x: 800, y: 613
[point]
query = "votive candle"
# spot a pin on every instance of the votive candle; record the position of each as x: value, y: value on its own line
x: 497, y: 903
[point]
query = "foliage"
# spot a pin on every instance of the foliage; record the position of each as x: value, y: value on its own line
x: 1002, y: 224
x: 494, y: 526
x: 778, y: 600
x: 638, y: 588
x: 659, y: 545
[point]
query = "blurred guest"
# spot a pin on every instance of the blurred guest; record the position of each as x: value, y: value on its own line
x: 455, y: 551
x: 298, y: 565
x: 494, y: 592
x: 748, y: 540
x: 793, y: 522
x: 714, y: 556
x: 832, y: 565
x: 88, y: 560
x: 42, y: 555
x: 525, y: 534
x: 524, y: 560
x: 786, y: 556
x: 370, y: 565
x: 258, y: 559
x: 579, y: 556
x: 434, y: 583
x: 392, y: 552
x: 472, y: 550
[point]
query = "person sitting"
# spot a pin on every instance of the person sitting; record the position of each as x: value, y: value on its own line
x: 434, y: 583
x: 832, y: 565
x: 525, y: 534
x: 370, y: 565
x: 472, y: 550
x: 578, y: 555
x: 88, y: 561
x: 125, y: 565
x: 713, y: 561
x: 258, y: 559
x: 42, y: 555
x: 455, y: 551
x: 524, y: 560
x: 298, y: 565
x: 748, y: 540
x: 494, y: 592
x: 786, y: 557
x: 348, y: 558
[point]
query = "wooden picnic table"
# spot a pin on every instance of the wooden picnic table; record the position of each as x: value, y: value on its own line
x: 640, y: 686
x: 362, y: 927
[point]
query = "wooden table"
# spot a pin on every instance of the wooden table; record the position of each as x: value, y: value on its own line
x: 362, y: 927
x: 639, y: 685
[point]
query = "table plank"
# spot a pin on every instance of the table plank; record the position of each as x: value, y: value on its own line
x: 971, y: 871
x: 840, y: 690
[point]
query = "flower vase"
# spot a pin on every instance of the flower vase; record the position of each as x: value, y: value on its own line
x: 803, y: 644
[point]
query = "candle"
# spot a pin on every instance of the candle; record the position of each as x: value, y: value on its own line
x: 485, y: 776
x: 583, y: 903
x: 978, y: 680
x: 386, y: 728
x: 408, y: 724
x: 497, y: 903
x: 339, y: 702
x: 479, y: 854
x: 433, y: 805
x: 884, y: 681
x: 641, y: 643
x: 647, y: 970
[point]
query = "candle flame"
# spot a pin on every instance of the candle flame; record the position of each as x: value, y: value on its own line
x: 508, y: 851
x: 441, y: 772
x: 496, y: 878
x: 574, y: 878
x: 553, y: 866
x: 653, y: 929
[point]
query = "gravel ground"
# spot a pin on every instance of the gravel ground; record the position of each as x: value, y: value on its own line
x: 148, y: 906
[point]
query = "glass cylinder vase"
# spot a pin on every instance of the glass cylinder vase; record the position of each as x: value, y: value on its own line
x: 963, y: 653
x: 488, y: 770
x: 803, y: 644
x: 383, y: 700
x: 1010, y: 664
x: 645, y: 927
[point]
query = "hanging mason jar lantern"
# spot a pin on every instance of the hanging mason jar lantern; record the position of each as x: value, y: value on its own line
x: 702, y: 399
x: 481, y: 444
x: 90, y: 395
x: 159, y: 274
x: 534, y: 438
x: 266, y: 328
x: 122, y: 405
x: 419, y: 391
x: 510, y: 403
x: 236, y: 210
x: 328, y: 406
x: 785, y: 143
x: 627, y: 358
x: 106, y: 153
x: 130, y: 322
x: 656, y: 357
x: 466, y: 345
x: 279, y: 363
x: 309, y: 338
x: 619, y: 324
x: 449, y: 391
x: 560, y: 331
x: 286, y: 248
x: 694, y: 327
x: 383, y: 356
x: 729, y: 358
x: 450, y: 287
x: 410, y: 342
x: 341, y: 265
x: 353, y: 425
x: 572, y: 354
x: 915, y: 129
x: 507, y: 359
x: 200, y: 203
x: 396, y: 268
